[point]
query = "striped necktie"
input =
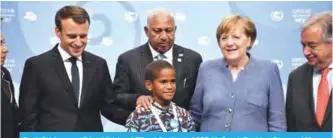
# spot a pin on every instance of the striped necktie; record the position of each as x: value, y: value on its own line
x: 160, y: 57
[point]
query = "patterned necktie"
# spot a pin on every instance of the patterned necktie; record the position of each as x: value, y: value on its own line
x: 322, y: 97
x: 75, y: 77
x: 160, y: 57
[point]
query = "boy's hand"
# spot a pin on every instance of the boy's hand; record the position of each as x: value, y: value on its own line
x: 144, y: 101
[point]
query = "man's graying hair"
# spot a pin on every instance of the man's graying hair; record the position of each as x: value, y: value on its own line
x: 325, y: 20
x: 158, y: 12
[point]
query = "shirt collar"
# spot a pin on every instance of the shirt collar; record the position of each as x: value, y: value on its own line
x: 65, y: 56
x: 167, y: 54
x: 315, y: 70
x: 2, y: 74
x: 160, y: 109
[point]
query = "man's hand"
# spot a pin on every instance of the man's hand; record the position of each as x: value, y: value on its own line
x: 144, y: 101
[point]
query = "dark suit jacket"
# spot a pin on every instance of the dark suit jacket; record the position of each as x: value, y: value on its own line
x: 9, y: 118
x: 47, y: 99
x: 300, y: 104
x: 130, y: 70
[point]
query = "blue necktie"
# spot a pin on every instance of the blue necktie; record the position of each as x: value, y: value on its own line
x: 75, y: 77
x: 160, y: 57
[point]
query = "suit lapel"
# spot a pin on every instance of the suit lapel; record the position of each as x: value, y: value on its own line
x: 5, y: 86
x: 145, y: 58
x: 177, y: 62
x: 88, y: 73
x: 328, y: 109
x: 59, y: 67
x: 308, y: 89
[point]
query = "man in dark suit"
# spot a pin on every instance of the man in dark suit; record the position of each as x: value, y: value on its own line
x: 129, y: 78
x: 309, y: 92
x: 66, y: 88
x: 9, y: 118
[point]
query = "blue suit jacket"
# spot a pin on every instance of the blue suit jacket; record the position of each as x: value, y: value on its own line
x: 254, y: 102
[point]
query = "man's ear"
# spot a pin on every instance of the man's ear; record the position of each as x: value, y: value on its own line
x: 57, y: 31
x: 149, y: 85
x: 146, y: 30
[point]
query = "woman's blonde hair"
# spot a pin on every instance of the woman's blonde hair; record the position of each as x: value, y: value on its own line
x: 236, y: 21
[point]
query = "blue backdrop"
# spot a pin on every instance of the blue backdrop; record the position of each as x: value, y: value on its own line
x: 28, y: 28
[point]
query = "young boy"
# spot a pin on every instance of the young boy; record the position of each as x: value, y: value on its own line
x: 163, y: 115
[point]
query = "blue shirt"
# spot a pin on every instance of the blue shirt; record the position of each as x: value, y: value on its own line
x: 253, y: 102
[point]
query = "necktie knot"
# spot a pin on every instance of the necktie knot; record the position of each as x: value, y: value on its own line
x: 324, y: 72
x: 73, y: 60
x: 160, y: 57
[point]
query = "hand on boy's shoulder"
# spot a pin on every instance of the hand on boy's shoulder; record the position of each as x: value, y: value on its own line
x: 144, y: 101
x: 142, y: 110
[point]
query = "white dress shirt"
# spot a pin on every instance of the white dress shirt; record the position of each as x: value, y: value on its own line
x: 316, y: 80
x: 168, y: 54
x: 68, y: 65
x: 235, y: 73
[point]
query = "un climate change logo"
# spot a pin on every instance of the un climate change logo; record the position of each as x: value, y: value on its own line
x: 277, y: 15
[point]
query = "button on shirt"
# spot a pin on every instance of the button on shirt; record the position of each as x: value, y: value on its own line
x: 68, y: 65
x: 142, y: 120
x: 168, y: 55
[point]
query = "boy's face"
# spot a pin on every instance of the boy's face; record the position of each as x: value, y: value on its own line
x: 164, y: 86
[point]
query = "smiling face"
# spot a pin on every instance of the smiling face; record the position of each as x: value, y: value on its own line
x: 315, y: 49
x: 235, y: 36
x: 163, y: 86
x: 234, y: 45
x: 73, y: 36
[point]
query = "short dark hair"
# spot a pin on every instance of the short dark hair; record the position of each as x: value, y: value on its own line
x: 155, y: 67
x: 78, y: 14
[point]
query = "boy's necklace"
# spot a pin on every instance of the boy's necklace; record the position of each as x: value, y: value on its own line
x: 173, y: 123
